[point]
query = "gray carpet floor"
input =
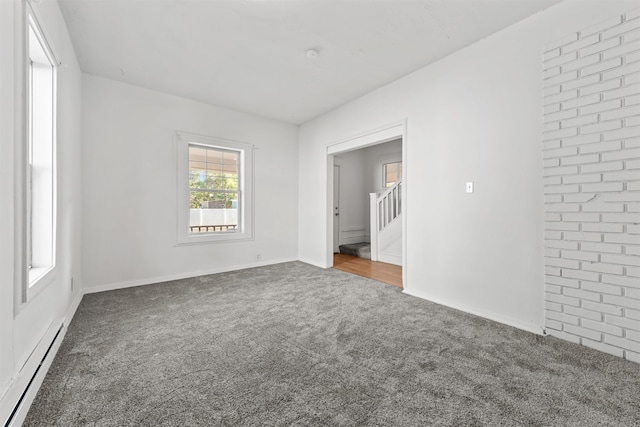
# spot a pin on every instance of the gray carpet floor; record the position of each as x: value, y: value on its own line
x: 292, y: 344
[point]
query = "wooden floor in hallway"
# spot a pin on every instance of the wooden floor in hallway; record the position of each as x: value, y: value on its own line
x: 380, y: 271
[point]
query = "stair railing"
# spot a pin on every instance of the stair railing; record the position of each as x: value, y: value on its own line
x: 384, y: 209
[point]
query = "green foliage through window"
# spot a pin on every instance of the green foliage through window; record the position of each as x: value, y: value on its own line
x: 213, y: 178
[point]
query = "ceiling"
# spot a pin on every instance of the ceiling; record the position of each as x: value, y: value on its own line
x: 250, y: 55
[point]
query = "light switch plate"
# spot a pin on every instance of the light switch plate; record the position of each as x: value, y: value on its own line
x: 469, y: 187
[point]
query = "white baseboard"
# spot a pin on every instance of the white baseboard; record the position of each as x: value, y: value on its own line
x: 187, y: 275
x: 21, y: 393
x: 34, y: 385
x: 390, y: 258
x: 18, y: 398
x: 315, y: 263
x: 526, y: 326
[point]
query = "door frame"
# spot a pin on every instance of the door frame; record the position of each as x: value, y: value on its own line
x: 336, y: 210
x: 380, y: 135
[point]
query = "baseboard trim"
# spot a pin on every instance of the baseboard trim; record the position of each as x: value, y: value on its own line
x: 25, y: 387
x: 509, y: 321
x: 390, y: 258
x: 28, y: 381
x: 315, y: 263
x: 159, y: 279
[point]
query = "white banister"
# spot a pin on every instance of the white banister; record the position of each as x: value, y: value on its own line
x: 383, y: 211
x: 389, y: 205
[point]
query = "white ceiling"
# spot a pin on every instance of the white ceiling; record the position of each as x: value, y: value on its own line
x: 249, y: 55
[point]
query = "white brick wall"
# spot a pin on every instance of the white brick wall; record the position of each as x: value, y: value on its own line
x: 591, y: 160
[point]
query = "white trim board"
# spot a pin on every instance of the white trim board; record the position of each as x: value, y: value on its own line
x: 380, y: 135
x: 390, y: 258
x: 509, y: 321
x: 160, y: 279
x: 35, y: 381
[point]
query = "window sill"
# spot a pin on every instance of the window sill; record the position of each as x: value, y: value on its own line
x: 40, y: 278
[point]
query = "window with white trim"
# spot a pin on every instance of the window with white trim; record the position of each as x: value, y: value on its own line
x: 215, y: 180
x: 391, y: 172
x: 40, y: 153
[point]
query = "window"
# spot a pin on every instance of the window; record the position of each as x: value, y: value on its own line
x: 215, y: 179
x: 40, y: 150
x: 391, y: 172
x: 213, y: 189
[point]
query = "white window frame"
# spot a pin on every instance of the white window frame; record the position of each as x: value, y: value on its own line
x: 37, y: 277
x: 245, y: 200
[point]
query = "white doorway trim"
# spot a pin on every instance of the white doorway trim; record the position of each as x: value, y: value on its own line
x: 336, y: 208
x: 373, y: 137
x: 389, y: 132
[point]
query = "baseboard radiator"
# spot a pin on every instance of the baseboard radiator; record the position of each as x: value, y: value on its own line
x: 19, y: 412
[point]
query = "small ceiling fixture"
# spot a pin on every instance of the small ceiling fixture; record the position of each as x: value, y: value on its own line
x: 312, y: 53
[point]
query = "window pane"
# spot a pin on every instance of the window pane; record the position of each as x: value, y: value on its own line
x: 40, y: 164
x: 197, y: 166
x: 230, y: 158
x: 197, y: 180
x: 214, y: 156
x: 213, y: 212
x: 230, y: 170
x: 230, y: 183
x: 392, y: 172
x: 197, y: 154
x: 211, y: 199
x: 210, y: 168
x: 214, y: 181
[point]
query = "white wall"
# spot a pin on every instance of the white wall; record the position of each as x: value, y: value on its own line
x: 22, y: 326
x: 129, y: 166
x: 475, y: 116
x: 354, y: 198
x: 375, y: 157
x: 361, y: 174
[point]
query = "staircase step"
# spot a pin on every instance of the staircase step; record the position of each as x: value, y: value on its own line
x: 361, y: 250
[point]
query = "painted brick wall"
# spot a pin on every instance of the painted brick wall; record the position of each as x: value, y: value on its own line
x: 591, y: 152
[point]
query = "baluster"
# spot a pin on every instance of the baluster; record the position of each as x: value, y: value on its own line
x: 395, y: 203
x: 386, y: 210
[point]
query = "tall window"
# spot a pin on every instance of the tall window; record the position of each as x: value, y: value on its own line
x: 214, y: 189
x: 391, y: 172
x: 215, y: 180
x: 40, y: 154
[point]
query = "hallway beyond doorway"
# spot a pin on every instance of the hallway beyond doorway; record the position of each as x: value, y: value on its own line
x: 383, y: 272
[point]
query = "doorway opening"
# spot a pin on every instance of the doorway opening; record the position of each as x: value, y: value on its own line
x: 380, y: 271
x: 367, y: 205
